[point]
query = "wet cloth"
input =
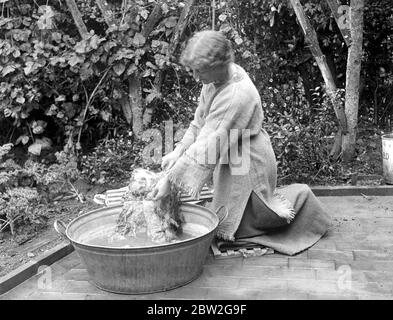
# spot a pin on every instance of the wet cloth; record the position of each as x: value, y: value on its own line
x: 244, y: 164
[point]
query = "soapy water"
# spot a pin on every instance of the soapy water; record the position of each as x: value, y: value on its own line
x: 108, y: 237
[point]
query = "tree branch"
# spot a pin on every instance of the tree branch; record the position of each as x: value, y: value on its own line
x: 345, y: 31
x: 179, y: 29
x: 76, y: 15
x: 312, y: 40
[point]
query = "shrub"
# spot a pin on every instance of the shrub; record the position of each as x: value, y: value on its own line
x: 301, y: 133
x: 23, y: 188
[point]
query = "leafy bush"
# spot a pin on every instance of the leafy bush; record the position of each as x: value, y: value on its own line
x: 55, y: 82
x: 111, y: 161
x: 23, y: 188
x: 301, y: 133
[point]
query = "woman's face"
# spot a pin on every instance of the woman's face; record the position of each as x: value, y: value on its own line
x: 208, y: 75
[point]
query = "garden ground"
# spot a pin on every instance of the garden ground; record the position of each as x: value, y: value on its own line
x: 28, y: 243
x: 358, y: 247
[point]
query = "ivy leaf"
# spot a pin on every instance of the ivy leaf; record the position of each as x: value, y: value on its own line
x: 139, y: 40
x: 86, y: 71
x: 116, y: 94
x: 170, y: 22
x: 109, y: 45
x: 95, y: 58
x: 70, y: 109
x: 144, y: 14
x: 20, y: 99
x: 152, y: 95
x: 222, y: 17
x: 56, y: 36
x: 60, y: 98
x: 55, y: 60
x: 52, y: 110
x: 164, y: 8
x: 124, y: 53
x: 119, y: 68
x: 26, y: 21
x: 7, y: 113
x: 45, y: 21
x: 24, y: 139
x: 150, y: 65
x: 238, y: 40
x: 7, y: 70
x: 105, y: 115
x: 35, y: 149
x: 147, y: 73
x: 132, y: 69
x: 16, y: 53
x: 30, y: 67
x: 81, y: 47
x: 38, y: 127
x: 75, y: 59
x: 155, y: 43
x: 95, y: 41
x: 39, y: 145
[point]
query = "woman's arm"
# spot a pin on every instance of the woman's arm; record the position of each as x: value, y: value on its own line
x: 195, y: 126
x: 231, y: 109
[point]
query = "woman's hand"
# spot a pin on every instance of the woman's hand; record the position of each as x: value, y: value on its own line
x: 162, y: 189
x: 169, y: 160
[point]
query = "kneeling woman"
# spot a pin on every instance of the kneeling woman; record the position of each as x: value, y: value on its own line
x: 226, y: 141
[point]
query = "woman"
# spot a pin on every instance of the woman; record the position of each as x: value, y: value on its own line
x: 228, y: 122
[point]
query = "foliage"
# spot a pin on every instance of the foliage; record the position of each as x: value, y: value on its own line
x: 98, y: 166
x: 50, y: 76
x: 24, y: 188
x: 60, y: 91
x: 377, y: 87
x: 302, y: 134
x: 16, y: 204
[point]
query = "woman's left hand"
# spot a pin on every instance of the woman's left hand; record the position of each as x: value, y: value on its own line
x: 162, y: 189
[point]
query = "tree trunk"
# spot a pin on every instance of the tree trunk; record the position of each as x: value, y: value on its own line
x: 331, y: 88
x: 136, y: 102
x: 126, y: 108
x: 132, y: 103
x: 177, y: 33
x: 354, y: 63
x: 76, y: 15
x: 339, y: 16
x: 179, y: 29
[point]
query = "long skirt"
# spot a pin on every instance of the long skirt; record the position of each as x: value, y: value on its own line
x: 260, y: 226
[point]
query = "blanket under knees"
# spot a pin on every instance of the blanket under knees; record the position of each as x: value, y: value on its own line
x: 311, y: 222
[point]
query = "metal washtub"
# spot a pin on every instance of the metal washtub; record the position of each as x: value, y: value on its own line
x: 138, y: 270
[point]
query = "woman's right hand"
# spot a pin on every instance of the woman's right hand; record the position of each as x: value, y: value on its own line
x: 169, y: 160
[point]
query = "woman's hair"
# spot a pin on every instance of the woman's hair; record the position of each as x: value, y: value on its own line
x: 207, y: 49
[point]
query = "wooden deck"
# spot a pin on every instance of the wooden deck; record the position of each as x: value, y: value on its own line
x: 353, y: 261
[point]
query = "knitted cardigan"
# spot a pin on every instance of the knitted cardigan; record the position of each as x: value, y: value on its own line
x: 227, y: 143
